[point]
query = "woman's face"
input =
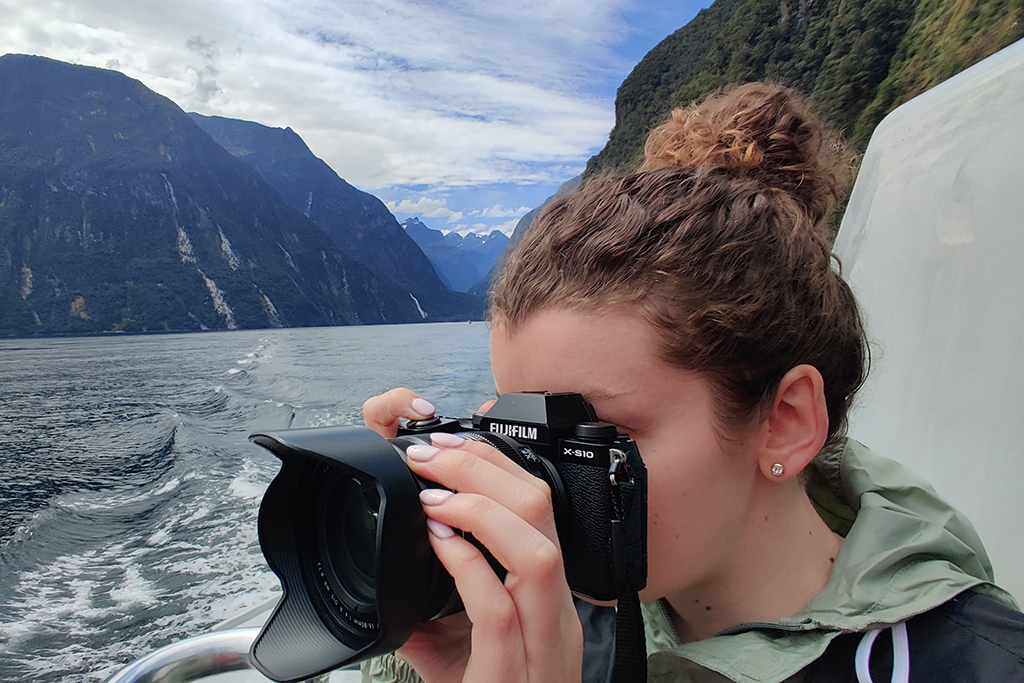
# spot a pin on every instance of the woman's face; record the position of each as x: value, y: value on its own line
x: 698, y: 490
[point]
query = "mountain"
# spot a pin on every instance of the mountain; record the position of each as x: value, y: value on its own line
x: 356, y: 221
x: 856, y: 61
x: 462, y: 260
x: 118, y: 213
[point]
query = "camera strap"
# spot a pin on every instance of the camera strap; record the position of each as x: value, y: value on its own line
x: 630, y: 644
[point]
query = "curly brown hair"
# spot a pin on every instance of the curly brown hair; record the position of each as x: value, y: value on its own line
x: 718, y: 242
x: 756, y: 130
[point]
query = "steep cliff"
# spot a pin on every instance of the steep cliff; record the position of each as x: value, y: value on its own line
x: 357, y: 222
x: 117, y: 213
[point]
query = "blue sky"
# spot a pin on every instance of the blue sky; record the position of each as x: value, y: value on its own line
x: 467, y: 113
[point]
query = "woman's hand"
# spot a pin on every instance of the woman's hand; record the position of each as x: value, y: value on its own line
x: 381, y: 413
x: 522, y: 629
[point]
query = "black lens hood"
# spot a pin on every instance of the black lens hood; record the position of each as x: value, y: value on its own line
x: 300, y: 640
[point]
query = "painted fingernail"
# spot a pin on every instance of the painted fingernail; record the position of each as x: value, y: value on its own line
x: 423, y: 407
x: 438, y: 529
x: 446, y: 440
x: 434, y: 496
x: 421, y: 453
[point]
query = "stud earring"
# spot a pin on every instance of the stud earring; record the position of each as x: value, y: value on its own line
x: 778, y: 470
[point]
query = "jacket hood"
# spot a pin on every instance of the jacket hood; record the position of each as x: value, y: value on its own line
x: 906, y: 551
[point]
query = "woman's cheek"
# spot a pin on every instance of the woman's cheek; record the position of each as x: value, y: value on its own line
x: 659, y: 536
x: 676, y: 515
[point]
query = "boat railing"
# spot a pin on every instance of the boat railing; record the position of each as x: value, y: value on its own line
x: 194, y: 659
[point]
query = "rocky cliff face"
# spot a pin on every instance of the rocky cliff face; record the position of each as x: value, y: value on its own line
x: 118, y: 213
x: 357, y: 222
x: 461, y: 260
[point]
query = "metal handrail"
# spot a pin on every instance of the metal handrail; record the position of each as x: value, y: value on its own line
x: 192, y: 658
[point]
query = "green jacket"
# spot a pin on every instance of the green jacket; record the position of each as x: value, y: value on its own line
x: 906, y: 552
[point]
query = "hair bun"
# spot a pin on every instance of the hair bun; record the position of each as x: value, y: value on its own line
x: 758, y: 131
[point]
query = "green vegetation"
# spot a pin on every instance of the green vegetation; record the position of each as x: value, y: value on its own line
x: 946, y: 37
x: 857, y: 61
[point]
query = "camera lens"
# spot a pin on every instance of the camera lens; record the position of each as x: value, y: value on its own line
x: 346, y: 521
x: 351, y: 529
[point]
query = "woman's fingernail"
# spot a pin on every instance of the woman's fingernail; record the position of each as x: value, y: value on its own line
x: 423, y: 407
x: 446, y: 440
x: 438, y: 529
x: 434, y: 496
x: 421, y: 452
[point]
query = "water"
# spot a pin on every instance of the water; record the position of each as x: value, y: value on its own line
x: 129, y: 491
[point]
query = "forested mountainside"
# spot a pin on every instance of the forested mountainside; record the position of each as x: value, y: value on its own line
x: 462, y: 261
x: 356, y: 221
x: 118, y: 213
x: 857, y: 61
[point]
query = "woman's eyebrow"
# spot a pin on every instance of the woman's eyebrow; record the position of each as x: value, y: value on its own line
x: 604, y: 394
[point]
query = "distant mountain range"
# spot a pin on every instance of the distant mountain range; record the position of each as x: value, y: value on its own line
x: 463, y: 261
x: 119, y: 213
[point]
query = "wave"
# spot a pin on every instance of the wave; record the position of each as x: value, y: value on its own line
x: 159, y: 562
x: 130, y: 491
x: 103, y: 460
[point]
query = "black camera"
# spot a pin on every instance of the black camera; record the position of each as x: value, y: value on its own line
x: 343, y: 528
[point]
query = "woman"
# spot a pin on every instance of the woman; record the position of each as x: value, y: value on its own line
x: 696, y: 306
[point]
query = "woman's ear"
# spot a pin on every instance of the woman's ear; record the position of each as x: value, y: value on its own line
x: 796, y: 427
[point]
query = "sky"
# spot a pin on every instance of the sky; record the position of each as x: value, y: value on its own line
x: 466, y: 113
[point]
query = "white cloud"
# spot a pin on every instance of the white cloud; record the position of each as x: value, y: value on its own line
x: 394, y: 92
x: 426, y: 208
x: 499, y: 211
